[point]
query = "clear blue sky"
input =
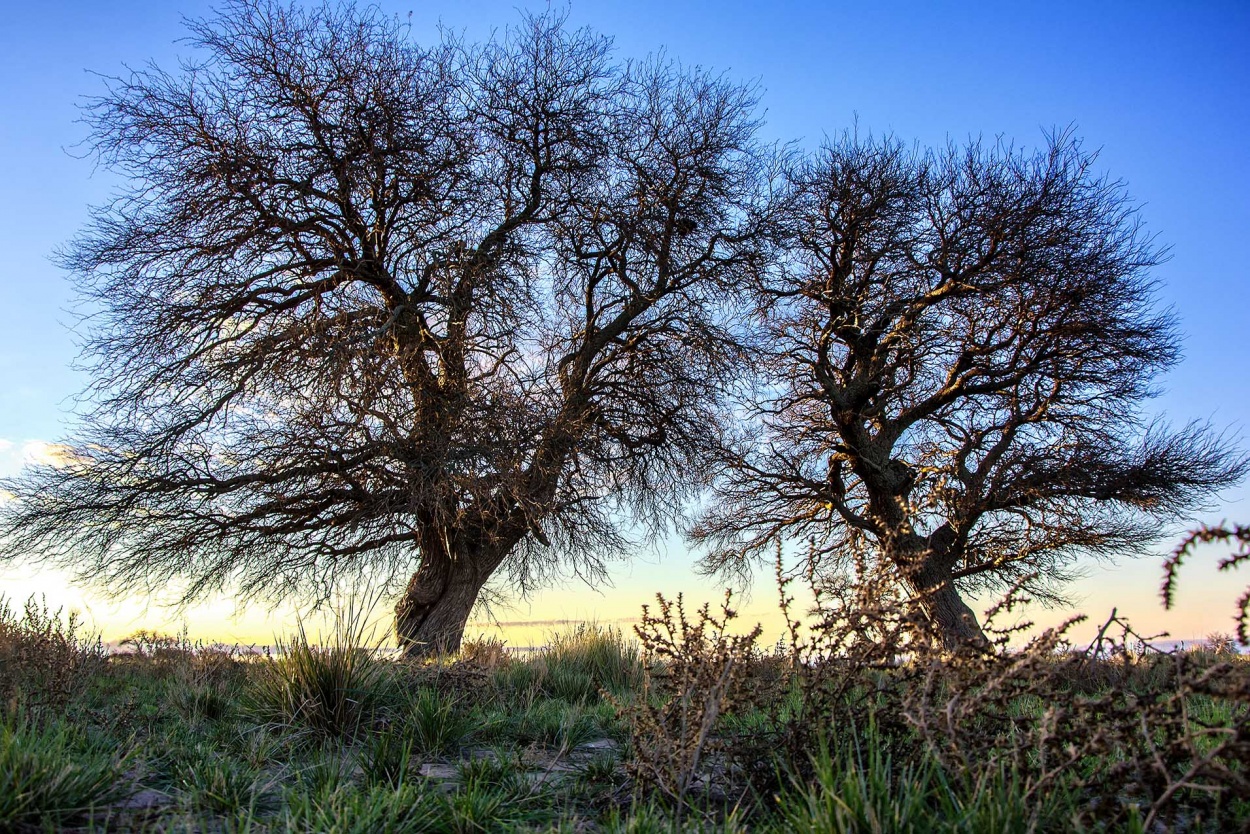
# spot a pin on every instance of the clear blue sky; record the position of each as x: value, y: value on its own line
x: 1161, y: 88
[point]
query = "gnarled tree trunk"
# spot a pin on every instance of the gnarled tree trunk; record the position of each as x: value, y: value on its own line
x: 950, y: 618
x: 431, y: 614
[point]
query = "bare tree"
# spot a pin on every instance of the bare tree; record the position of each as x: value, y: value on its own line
x: 371, y: 309
x: 953, y: 362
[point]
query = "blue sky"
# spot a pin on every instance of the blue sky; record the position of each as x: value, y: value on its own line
x: 1160, y: 88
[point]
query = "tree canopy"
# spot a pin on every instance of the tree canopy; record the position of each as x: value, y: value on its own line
x: 424, y: 315
x: 371, y: 307
x: 954, y: 353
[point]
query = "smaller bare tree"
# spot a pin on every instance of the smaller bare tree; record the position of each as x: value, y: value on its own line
x: 954, y: 357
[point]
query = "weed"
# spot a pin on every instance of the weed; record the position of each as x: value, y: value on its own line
x: 600, y: 768
x: 497, y: 769
x: 402, y: 810
x: 541, y: 722
x: 479, y: 809
x: 46, y: 659
x: 325, y: 772
x: 577, y: 727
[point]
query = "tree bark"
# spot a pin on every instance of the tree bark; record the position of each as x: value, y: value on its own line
x: 950, y: 618
x: 431, y: 614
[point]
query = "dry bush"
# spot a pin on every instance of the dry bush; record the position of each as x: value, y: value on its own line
x: 845, y: 660
x: 1129, y: 731
x: 158, y: 654
x: 486, y: 652
x: 1113, y: 721
x: 1222, y: 644
x: 1121, y: 745
x: 692, y: 672
x: 192, y: 663
x: 46, y: 659
x: 200, y: 678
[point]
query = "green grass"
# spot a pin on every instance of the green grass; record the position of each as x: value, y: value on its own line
x: 49, y: 775
x: 437, y: 724
x: 581, y: 662
x: 335, y: 738
x: 220, y: 786
x: 331, y: 690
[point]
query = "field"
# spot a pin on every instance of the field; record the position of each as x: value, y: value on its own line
x: 679, y: 728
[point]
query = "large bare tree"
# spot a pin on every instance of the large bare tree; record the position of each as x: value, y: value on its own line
x: 374, y: 309
x: 954, y: 358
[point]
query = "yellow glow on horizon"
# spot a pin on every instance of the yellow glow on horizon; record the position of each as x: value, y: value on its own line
x: 1205, y: 604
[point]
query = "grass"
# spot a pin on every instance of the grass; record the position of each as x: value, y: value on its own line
x: 437, y: 724
x: 332, y: 737
x: 50, y: 776
x: 330, y: 690
x: 215, y: 785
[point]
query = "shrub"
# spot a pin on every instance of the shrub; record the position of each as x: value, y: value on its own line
x: 46, y: 661
x: 1140, y: 737
x: 692, y: 673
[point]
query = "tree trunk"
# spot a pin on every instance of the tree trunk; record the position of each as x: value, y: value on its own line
x: 950, y: 618
x: 955, y: 623
x: 431, y: 615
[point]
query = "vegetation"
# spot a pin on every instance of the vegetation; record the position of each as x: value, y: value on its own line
x: 687, y: 728
x: 456, y: 318
x: 951, y: 364
x: 422, y: 317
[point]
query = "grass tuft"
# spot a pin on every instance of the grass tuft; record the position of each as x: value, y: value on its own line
x: 437, y: 724
x: 215, y: 785
x: 332, y: 690
x: 48, y: 776
x: 589, y: 658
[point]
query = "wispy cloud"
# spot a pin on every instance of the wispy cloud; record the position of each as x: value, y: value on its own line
x: 44, y: 453
x: 17, y: 454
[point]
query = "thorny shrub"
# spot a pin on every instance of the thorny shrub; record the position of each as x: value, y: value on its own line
x: 692, y: 669
x: 1120, y: 746
x: 46, y: 659
x: 1130, y: 739
x: 1113, y: 723
x: 1238, y: 535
